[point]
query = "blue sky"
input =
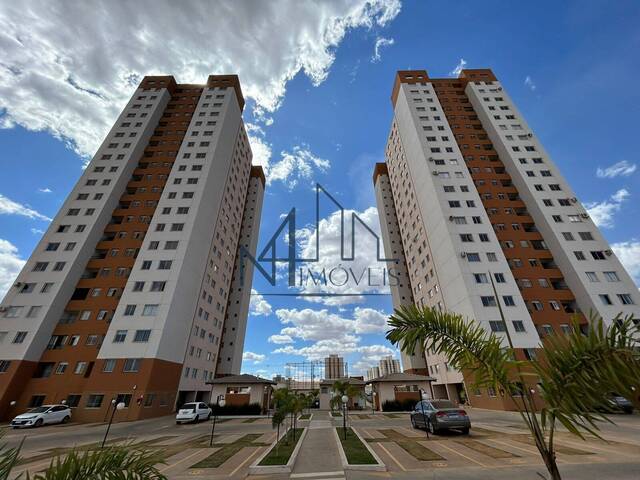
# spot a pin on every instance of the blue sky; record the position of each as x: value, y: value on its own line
x: 318, y: 110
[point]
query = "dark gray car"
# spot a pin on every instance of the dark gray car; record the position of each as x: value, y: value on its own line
x: 440, y: 415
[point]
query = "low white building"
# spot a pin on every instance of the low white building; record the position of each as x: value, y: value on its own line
x: 399, y: 387
x: 241, y: 390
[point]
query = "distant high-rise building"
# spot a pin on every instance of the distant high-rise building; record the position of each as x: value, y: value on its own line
x: 389, y: 365
x: 133, y: 293
x: 468, y: 197
x: 334, y: 367
x: 373, y: 372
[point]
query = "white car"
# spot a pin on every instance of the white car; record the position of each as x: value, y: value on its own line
x: 193, y: 412
x: 42, y: 415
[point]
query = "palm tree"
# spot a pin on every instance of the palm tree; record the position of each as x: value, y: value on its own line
x: 574, y: 372
x: 340, y: 388
x: 117, y: 461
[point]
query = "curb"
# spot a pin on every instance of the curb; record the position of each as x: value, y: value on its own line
x: 256, y: 469
x: 371, y: 467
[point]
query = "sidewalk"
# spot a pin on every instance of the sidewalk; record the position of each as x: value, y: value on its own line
x: 319, y: 452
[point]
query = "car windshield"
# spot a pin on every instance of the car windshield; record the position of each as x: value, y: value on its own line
x: 38, y: 410
x: 189, y: 405
x: 439, y: 404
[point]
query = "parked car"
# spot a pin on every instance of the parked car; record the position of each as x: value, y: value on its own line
x: 45, y: 414
x: 618, y: 403
x: 193, y: 412
x: 440, y: 415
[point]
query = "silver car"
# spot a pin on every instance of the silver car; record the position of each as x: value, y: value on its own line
x: 438, y: 415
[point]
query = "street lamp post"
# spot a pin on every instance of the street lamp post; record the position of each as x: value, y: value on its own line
x: 219, y: 403
x: 423, y: 397
x: 373, y: 403
x: 345, y: 399
x: 115, y: 406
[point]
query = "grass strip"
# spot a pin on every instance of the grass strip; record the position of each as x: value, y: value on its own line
x: 336, y: 414
x: 249, y: 420
x: 392, y: 415
x: 485, y: 449
x: 411, y: 446
x: 355, y: 451
x: 281, y: 452
x: 306, y: 416
x: 226, y: 451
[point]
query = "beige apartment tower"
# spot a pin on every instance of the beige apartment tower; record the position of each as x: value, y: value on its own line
x: 133, y: 292
x: 468, y: 196
x: 334, y: 367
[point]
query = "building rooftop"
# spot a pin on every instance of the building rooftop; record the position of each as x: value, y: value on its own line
x: 402, y: 377
x: 237, y: 379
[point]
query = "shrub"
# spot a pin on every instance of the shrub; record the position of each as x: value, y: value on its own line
x: 398, y: 406
x: 249, y: 409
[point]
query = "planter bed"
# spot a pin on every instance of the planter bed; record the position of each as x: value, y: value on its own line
x: 279, y: 460
x: 355, y: 453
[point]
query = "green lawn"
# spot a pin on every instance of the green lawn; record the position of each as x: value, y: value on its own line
x: 227, y: 450
x: 356, y: 452
x: 280, y: 454
x: 336, y: 414
x: 306, y: 416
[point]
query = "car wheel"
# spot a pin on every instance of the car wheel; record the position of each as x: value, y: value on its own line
x: 208, y: 416
x: 465, y: 431
x: 66, y: 419
x: 413, y: 423
x: 177, y: 422
x: 432, y: 428
x: 38, y: 423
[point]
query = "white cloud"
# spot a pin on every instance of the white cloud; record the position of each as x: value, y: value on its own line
x: 37, y: 231
x: 458, y: 69
x: 620, y: 169
x: 73, y: 82
x: 365, y: 261
x: 9, y: 207
x: 280, y: 339
x: 10, y: 265
x: 45, y: 190
x: 253, y: 357
x: 602, y: 213
x: 381, y: 42
x: 369, y: 320
x: 529, y: 83
x: 629, y: 255
x: 258, y: 305
x: 298, y: 164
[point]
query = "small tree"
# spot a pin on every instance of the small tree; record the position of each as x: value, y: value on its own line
x: 574, y: 374
x: 276, y: 420
x: 341, y: 388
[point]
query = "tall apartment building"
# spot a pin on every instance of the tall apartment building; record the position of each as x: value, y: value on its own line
x: 132, y: 294
x: 468, y: 194
x: 386, y: 365
x: 334, y: 367
x: 389, y: 365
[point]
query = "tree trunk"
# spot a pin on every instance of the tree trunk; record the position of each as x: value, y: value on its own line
x: 552, y: 466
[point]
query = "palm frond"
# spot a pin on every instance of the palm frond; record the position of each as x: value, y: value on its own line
x: 578, y: 372
x: 9, y: 457
x: 119, y: 462
x: 467, y: 344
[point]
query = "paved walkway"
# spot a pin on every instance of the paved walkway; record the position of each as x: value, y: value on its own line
x: 319, y: 453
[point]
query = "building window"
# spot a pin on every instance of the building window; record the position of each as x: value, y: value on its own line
x: 109, y: 365
x: 625, y: 299
x: 19, y: 337
x: 481, y: 277
x: 592, y: 276
x: 94, y: 401
x: 611, y: 276
x: 605, y: 299
x: 518, y: 325
x: 131, y: 365
x: 497, y: 326
x: 488, y: 301
x: 150, y: 310
x: 120, y: 336
x: 142, y: 336
x: 508, y: 300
